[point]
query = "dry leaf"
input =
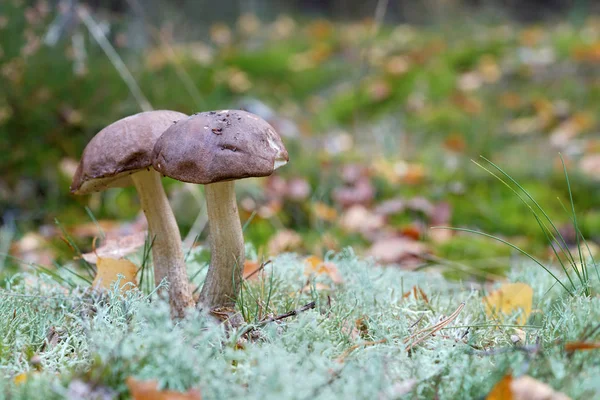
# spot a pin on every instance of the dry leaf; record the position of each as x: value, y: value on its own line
x: 117, y: 248
x: 324, y: 212
x: 315, y: 265
x: 573, y: 346
x: 455, y: 142
x: 359, y: 219
x: 527, y: 388
x: 590, y: 165
x: 148, y: 390
x: 20, y: 378
x: 501, y: 390
x: 396, y: 249
x: 284, y: 240
x: 379, y: 90
x: 509, y: 298
x: 251, y: 269
x: 109, y: 268
x: 317, y: 286
x: 523, y: 388
x: 361, y: 192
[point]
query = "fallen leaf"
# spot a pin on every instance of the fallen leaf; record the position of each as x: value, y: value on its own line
x: 315, y: 265
x: 298, y: 189
x: 412, y: 231
x: 566, y: 131
x: 361, y: 192
x: 509, y: 298
x: 489, y: 69
x: 359, y: 219
x: 250, y: 269
x: 248, y: 24
x: 390, y: 207
x: 284, y: 240
x: 590, y: 165
x: 324, y: 212
x: 21, y: 378
x: 501, y: 390
x: 455, y: 142
x: 527, y: 388
x: 220, y: 34
x: 510, y: 100
x: 379, y: 90
x: 573, y: 346
x: 317, y: 286
x: 109, y: 268
x: 148, y: 390
x: 523, y: 388
x: 396, y: 250
x: 117, y: 248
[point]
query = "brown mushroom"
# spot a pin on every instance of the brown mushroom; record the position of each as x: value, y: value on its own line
x: 120, y: 155
x: 215, y: 148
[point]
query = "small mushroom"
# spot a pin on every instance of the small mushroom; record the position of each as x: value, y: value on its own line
x: 246, y: 146
x: 121, y: 155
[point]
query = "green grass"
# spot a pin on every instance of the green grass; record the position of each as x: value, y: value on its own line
x: 105, y: 339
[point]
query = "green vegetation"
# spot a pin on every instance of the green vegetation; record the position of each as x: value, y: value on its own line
x: 382, y: 124
x: 350, y: 345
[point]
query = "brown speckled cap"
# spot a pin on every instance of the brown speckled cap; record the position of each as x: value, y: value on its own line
x: 216, y: 146
x: 120, y: 149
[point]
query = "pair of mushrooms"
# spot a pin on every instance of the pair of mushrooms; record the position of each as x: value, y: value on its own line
x: 210, y: 148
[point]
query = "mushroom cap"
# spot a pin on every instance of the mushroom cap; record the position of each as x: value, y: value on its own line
x: 217, y: 146
x: 121, y: 149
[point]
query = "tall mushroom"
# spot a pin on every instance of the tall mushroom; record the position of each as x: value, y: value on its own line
x: 121, y: 155
x: 215, y: 148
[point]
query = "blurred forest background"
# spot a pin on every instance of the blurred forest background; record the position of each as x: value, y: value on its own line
x: 382, y: 105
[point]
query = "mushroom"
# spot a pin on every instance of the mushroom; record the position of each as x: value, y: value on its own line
x: 215, y: 148
x: 121, y: 155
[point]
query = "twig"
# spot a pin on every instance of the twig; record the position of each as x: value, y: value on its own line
x: 257, y: 270
x: 428, y: 332
x: 279, y: 317
x: 115, y: 59
x: 288, y: 314
x: 432, y: 329
x: 350, y: 349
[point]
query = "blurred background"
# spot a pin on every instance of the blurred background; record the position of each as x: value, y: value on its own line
x: 382, y: 105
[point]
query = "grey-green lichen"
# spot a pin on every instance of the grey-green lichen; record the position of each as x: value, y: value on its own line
x: 351, y: 345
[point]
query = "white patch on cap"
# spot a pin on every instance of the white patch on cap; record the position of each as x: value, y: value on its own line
x: 279, y: 160
x: 223, y: 111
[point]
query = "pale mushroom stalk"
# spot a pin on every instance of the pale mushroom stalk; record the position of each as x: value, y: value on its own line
x: 120, y: 155
x: 224, y: 275
x: 165, y: 238
x: 214, y: 149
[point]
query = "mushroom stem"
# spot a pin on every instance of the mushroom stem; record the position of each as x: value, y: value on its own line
x: 166, y: 247
x: 224, y: 276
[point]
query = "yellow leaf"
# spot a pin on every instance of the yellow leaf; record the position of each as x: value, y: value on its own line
x: 148, y: 390
x: 20, y: 378
x: 315, y: 265
x: 324, y: 212
x: 523, y: 388
x: 501, y: 390
x: 509, y: 298
x: 109, y: 268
